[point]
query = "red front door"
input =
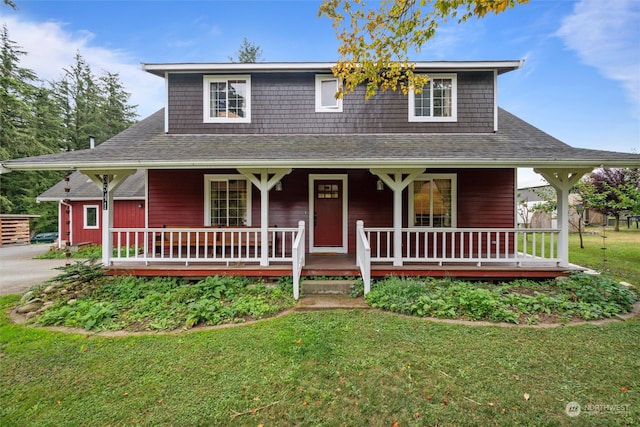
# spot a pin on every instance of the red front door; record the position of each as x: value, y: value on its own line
x: 328, y: 213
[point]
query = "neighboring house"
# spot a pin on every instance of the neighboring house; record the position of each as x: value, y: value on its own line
x: 259, y: 169
x: 530, y: 198
x: 79, y: 207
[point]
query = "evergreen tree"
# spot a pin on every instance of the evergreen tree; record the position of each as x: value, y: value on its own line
x: 115, y: 114
x: 79, y: 94
x: 16, y: 91
x: 248, y: 52
x: 36, y: 120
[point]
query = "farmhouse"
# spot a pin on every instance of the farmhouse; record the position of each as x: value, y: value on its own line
x: 259, y: 169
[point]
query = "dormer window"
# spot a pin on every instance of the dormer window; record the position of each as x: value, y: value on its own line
x: 227, y: 99
x: 327, y: 87
x: 437, y: 102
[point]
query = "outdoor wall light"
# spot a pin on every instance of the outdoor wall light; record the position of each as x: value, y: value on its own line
x: 279, y: 186
x: 380, y: 185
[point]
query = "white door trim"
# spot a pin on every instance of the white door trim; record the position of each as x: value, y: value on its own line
x: 345, y: 217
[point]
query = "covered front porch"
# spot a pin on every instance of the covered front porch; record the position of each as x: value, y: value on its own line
x: 488, y: 254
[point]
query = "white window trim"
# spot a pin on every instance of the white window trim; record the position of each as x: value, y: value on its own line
x: 84, y: 218
x: 319, y: 107
x: 207, y: 80
x: 454, y: 101
x: 454, y: 197
x: 208, y: 178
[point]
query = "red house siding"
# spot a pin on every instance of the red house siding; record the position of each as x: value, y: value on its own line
x: 485, y: 199
x: 127, y: 214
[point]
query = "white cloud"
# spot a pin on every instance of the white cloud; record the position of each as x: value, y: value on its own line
x: 606, y: 35
x: 51, y: 48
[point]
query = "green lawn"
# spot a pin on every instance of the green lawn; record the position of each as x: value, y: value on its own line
x: 322, y: 368
x: 622, y: 254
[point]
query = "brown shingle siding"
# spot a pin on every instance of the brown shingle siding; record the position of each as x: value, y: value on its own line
x: 285, y: 103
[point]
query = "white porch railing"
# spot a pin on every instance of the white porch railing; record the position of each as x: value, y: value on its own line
x: 203, y: 244
x: 363, y: 255
x: 298, y: 255
x: 478, y: 245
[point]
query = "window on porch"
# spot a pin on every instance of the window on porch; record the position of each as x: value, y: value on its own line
x: 433, y: 201
x: 228, y: 202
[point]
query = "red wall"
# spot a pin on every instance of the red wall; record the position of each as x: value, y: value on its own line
x: 486, y: 198
x: 127, y: 214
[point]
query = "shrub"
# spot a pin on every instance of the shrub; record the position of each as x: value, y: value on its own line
x: 583, y: 296
x: 87, y: 314
x: 163, y: 302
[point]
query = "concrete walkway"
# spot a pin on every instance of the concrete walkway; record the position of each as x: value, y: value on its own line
x: 19, y: 271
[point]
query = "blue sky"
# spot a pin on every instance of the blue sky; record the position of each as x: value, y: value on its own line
x: 580, y: 82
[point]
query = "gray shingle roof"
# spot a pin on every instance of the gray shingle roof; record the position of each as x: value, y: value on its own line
x: 82, y: 188
x: 145, y: 145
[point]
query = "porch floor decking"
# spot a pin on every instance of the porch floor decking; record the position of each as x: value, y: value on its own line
x: 342, y: 265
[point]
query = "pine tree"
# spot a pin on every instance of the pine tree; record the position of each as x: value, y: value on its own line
x: 36, y: 120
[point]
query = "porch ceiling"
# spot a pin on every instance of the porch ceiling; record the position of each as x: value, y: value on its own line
x: 146, y: 146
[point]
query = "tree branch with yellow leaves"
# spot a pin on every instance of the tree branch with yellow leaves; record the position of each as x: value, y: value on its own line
x: 374, y: 42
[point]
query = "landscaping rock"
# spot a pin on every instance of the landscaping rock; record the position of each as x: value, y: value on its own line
x: 49, y: 289
x: 26, y: 297
x: 44, y: 307
x: 31, y: 315
x: 71, y: 301
x: 33, y: 305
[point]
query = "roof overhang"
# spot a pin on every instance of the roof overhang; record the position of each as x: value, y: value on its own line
x: 345, y: 163
x: 161, y: 69
x: 82, y: 199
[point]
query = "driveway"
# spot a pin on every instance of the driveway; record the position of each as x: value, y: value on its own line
x: 19, y: 271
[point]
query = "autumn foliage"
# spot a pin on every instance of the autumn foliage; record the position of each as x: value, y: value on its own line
x: 375, y: 42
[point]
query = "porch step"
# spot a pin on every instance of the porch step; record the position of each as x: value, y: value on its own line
x: 326, y: 287
x: 330, y: 302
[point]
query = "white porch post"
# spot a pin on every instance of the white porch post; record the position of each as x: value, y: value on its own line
x: 260, y: 178
x: 108, y: 181
x: 562, y: 180
x: 107, y: 221
x: 397, y: 184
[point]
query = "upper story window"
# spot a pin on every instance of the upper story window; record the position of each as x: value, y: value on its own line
x: 433, y: 201
x: 227, y: 99
x: 438, y: 101
x: 327, y: 86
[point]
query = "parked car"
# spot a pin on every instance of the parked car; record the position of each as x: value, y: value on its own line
x: 45, y: 237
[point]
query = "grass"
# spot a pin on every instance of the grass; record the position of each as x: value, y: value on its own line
x: 621, y: 257
x: 322, y: 369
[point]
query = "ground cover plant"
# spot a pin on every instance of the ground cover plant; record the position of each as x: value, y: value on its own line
x: 84, y: 252
x: 580, y: 296
x: 330, y: 368
x: 83, y: 297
